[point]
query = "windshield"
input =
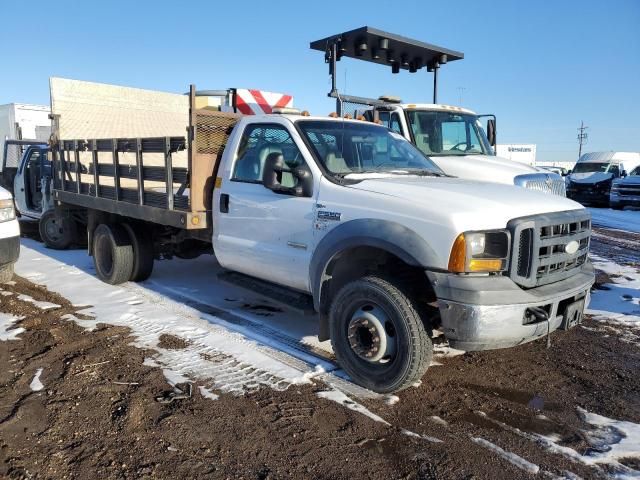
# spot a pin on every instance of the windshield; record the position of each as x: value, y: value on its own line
x: 359, y: 147
x: 590, y: 167
x: 447, y: 133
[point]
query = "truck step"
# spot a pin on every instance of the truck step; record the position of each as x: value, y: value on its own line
x: 298, y: 302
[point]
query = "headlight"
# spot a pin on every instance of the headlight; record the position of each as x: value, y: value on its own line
x: 480, y: 252
x: 6, y: 210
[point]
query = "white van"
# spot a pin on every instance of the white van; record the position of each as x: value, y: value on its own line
x: 9, y: 236
x: 590, y: 180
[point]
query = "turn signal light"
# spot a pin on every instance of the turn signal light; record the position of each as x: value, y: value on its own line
x: 485, y: 265
x: 458, y: 256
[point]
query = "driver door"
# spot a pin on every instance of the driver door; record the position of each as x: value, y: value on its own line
x: 259, y: 232
x: 26, y: 184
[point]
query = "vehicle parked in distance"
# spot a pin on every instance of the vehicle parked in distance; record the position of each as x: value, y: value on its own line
x: 559, y: 170
x: 344, y: 216
x: 9, y: 236
x: 625, y: 192
x: 453, y: 137
x: 590, y: 180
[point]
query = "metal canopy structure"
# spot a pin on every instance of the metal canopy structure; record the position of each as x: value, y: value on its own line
x: 376, y: 46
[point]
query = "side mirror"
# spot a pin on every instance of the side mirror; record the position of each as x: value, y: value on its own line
x: 623, y: 174
x: 569, y: 172
x: 274, y: 167
x: 491, y: 131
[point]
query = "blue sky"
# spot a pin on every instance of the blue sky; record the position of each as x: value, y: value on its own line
x: 540, y: 66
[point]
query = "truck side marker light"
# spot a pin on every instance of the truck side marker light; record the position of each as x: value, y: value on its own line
x: 218, y: 182
x: 458, y: 255
x: 195, y: 220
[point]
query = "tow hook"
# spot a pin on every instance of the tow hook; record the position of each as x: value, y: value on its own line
x: 542, y: 315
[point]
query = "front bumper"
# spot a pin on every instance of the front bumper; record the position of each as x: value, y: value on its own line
x: 486, y: 313
x: 587, y: 196
x: 624, y: 200
x: 9, y: 250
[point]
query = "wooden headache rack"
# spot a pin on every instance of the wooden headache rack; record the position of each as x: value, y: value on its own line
x: 164, y: 180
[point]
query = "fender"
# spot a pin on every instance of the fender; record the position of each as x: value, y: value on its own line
x: 384, y: 234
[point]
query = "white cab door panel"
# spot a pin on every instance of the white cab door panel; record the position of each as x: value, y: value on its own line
x: 258, y: 232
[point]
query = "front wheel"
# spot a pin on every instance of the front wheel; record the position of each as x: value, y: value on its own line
x: 378, y: 336
x: 57, y: 231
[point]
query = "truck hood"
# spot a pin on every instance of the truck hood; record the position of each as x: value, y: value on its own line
x: 630, y: 180
x: 470, y: 205
x: 590, y: 177
x: 486, y: 168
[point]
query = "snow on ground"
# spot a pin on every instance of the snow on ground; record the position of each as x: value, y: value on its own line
x: 236, y: 342
x: 628, y: 220
x: 7, y: 330
x: 40, y: 304
x: 512, y: 458
x: 609, y: 440
x: 216, y: 357
x: 619, y: 302
x: 36, y: 385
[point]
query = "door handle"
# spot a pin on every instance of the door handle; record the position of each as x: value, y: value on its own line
x: 224, y: 203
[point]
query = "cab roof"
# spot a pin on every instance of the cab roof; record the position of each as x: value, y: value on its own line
x: 434, y: 106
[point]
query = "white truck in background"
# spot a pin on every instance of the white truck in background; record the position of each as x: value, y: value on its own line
x: 453, y: 137
x: 9, y: 236
x: 21, y: 121
x: 344, y: 215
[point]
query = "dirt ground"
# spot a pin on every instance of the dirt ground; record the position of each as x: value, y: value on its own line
x: 98, y: 415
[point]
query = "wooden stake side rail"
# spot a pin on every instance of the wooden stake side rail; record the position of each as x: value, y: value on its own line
x: 78, y: 184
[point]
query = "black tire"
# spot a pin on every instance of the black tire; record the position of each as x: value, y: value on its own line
x: 6, y: 273
x: 112, y: 254
x: 142, y: 252
x: 413, y: 347
x: 57, y: 231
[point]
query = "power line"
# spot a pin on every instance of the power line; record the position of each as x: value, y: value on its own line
x: 582, y: 137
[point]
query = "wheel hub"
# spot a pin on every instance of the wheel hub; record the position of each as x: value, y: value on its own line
x: 371, y: 335
x: 53, y: 229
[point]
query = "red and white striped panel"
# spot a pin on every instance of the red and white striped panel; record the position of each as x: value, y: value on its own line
x: 258, y: 102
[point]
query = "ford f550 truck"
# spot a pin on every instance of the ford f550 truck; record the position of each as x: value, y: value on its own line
x: 453, y: 137
x: 345, y: 213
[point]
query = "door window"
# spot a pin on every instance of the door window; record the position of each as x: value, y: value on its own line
x: 258, y: 141
x: 395, y: 123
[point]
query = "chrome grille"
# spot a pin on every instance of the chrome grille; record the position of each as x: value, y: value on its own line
x: 540, y: 242
x: 627, y: 189
x: 543, y: 182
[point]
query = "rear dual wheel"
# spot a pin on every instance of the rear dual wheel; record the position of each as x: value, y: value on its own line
x: 122, y: 253
x: 378, y: 335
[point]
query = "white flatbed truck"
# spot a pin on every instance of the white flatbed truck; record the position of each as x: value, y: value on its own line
x: 344, y: 214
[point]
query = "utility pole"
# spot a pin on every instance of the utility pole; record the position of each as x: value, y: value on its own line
x: 460, y: 93
x: 582, y: 137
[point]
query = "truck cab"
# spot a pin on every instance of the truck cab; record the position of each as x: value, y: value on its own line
x: 454, y: 138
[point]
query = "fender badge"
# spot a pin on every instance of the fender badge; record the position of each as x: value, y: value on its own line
x: 325, y: 215
x: 572, y: 247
